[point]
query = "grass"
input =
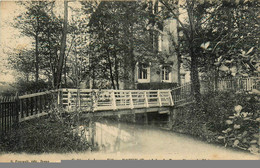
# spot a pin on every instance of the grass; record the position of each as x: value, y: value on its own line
x: 42, y: 135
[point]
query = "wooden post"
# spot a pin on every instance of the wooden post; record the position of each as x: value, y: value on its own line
x: 159, y: 98
x: 21, y: 107
x: 131, y: 100
x: 36, y: 104
x: 5, y: 115
x: 27, y: 106
x: 170, y: 119
x: 69, y: 100
x: 32, y: 104
x: 146, y: 100
x: 40, y: 103
x: 1, y: 115
x: 11, y: 114
x: 113, y: 100
x: 133, y: 118
x: 18, y: 110
x: 8, y: 114
x: 58, y: 98
x: 171, y: 100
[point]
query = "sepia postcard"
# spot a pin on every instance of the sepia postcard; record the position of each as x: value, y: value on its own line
x: 129, y: 80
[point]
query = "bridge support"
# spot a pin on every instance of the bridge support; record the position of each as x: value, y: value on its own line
x: 133, y: 117
x: 92, y: 128
x: 172, y: 117
x: 146, y: 118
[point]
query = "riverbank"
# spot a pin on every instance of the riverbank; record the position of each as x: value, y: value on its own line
x: 42, y: 135
x: 150, y: 143
x: 227, y: 118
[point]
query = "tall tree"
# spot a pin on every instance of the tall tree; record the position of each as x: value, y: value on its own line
x: 189, y: 31
x: 31, y: 24
x: 63, y: 46
x: 215, y: 33
x: 120, y: 37
x: 40, y: 23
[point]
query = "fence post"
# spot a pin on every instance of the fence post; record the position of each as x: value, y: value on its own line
x: 18, y: 107
x: 5, y: 115
x: 113, y: 100
x: 146, y: 100
x: 32, y: 104
x: 170, y: 96
x: 1, y: 116
x: 159, y: 98
x: 131, y: 100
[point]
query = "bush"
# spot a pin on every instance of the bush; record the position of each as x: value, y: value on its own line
x: 242, y: 130
x: 215, y: 116
x: 32, y: 86
x: 43, y: 135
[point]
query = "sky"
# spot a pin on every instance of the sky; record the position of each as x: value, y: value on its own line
x: 9, y: 37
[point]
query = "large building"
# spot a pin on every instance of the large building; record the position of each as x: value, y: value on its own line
x: 165, y: 73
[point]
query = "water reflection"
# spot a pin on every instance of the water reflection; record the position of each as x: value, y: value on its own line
x: 107, y: 137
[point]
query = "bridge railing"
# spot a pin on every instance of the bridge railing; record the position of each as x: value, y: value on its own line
x: 36, y: 104
x: 182, y: 94
x: 98, y: 100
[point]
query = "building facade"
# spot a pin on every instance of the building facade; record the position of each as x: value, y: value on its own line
x: 162, y: 74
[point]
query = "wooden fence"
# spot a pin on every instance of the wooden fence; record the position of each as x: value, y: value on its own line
x: 17, y: 109
x: 36, y: 104
x: 182, y: 94
x: 248, y: 84
x: 9, y: 109
x: 239, y: 84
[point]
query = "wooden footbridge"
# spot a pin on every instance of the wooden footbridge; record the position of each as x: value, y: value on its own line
x: 104, y: 102
x: 98, y: 102
x: 88, y: 102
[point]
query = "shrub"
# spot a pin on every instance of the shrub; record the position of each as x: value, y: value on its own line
x: 242, y: 130
x: 215, y: 116
x: 43, y: 135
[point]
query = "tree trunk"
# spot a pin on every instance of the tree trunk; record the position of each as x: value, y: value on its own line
x: 195, y: 82
x: 116, y: 71
x: 110, y: 70
x: 36, y: 57
x: 194, y: 75
x: 63, y: 46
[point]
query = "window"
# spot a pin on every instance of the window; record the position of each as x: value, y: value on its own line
x: 143, y: 73
x: 166, y: 74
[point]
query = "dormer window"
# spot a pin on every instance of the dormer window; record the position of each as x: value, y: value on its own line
x: 166, y: 77
x: 143, y: 73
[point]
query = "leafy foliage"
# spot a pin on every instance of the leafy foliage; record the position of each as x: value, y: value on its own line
x: 120, y: 39
x: 242, y: 129
x: 222, y: 121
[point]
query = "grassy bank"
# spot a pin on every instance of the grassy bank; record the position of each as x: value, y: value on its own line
x: 42, y: 135
x: 226, y: 118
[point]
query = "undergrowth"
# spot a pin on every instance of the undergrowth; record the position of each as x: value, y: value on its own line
x: 219, y: 122
x: 42, y: 135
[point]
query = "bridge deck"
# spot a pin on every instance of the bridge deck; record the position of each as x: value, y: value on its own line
x: 103, y: 100
x: 99, y: 102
